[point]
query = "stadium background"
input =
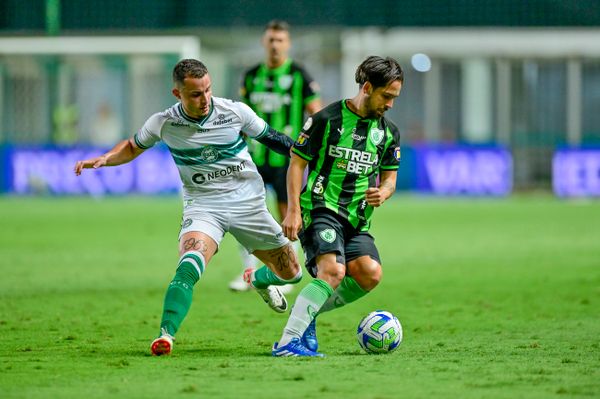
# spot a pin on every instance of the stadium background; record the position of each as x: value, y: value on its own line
x: 521, y: 80
x: 498, y: 297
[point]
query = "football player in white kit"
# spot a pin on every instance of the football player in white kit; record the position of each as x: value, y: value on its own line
x: 222, y: 190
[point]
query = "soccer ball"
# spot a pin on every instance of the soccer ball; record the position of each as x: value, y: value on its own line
x: 379, y: 332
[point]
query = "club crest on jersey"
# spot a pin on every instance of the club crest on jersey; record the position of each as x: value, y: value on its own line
x: 209, y: 154
x: 327, y: 235
x: 285, y: 81
x: 376, y: 135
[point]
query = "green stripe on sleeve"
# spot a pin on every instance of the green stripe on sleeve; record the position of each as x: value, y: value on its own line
x: 138, y: 143
x: 263, y: 132
x: 301, y: 155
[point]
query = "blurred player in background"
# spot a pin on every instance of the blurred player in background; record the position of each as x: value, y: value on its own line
x: 352, y: 152
x: 222, y: 190
x: 280, y: 91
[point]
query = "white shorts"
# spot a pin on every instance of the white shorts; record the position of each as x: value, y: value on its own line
x: 253, y: 227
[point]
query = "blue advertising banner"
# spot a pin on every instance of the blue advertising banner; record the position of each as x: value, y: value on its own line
x: 463, y: 170
x: 576, y: 172
x: 48, y: 170
x: 448, y: 170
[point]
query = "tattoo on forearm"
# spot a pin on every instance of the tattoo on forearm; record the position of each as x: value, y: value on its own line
x: 389, y: 186
x: 195, y: 244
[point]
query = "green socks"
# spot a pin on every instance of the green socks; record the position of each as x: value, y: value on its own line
x: 309, y: 301
x: 348, y: 291
x: 178, y: 298
x: 264, y: 277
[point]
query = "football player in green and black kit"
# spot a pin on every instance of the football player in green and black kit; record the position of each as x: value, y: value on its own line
x: 280, y: 91
x: 352, y: 152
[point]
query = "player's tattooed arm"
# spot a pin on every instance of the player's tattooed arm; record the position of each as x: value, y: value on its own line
x: 388, y: 186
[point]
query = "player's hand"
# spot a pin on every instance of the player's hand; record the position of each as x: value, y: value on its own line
x: 375, y: 196
x: 94, y: 163
x: 292, y: 224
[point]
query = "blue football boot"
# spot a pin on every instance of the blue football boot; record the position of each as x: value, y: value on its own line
x: 309, y: 338
x: 293, y: 348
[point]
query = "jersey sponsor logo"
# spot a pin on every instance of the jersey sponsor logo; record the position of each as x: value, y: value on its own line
x: 357, y: 137
x: 202, y: 130
x: 179, y: 123
x: 266, y: 83
x: 269, y: 102
x: 318, y: 188
x: 352, y: 160
x: 376, y: 135
x: 327, y: 235
x: 354, y: 136
x: 186, y: 223
x: 201, y: 178
x: 222, y: 121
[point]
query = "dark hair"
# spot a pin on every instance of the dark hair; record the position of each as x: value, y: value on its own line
x: 188, y: 68
x: 277, y: 24
x: 378, y: 71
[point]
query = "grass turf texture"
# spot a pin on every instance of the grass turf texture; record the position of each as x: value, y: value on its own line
x: 498, y: 298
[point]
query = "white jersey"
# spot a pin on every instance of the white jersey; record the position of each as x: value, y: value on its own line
x: 211, y: 155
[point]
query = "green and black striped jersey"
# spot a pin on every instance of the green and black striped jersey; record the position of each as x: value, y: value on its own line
x: 278, y: 96
x: 345, y: 154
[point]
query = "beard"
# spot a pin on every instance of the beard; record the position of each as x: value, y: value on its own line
x: 374, y: 111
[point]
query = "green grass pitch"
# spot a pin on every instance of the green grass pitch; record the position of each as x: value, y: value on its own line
x: 498, y: 299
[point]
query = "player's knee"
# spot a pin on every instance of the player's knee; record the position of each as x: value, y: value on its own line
x: 332, y: 273
x: 369, y: 277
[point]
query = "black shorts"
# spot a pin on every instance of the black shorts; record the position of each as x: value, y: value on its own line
x: 275, y: 177
x: 329, y: 233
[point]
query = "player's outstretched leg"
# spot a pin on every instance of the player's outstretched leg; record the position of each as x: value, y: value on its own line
x: 269, y: 293
x: 309, y: 301
x: 178, y: 300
